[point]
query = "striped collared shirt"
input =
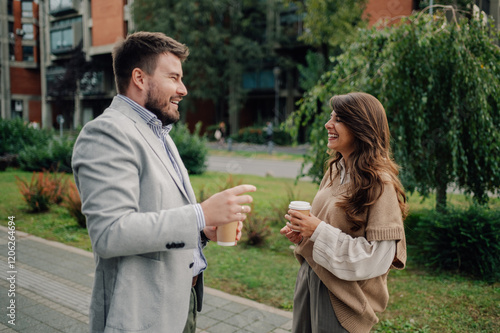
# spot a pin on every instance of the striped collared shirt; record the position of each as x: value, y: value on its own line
x: 161, y: 132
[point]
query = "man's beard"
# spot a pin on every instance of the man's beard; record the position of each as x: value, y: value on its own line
x: 154, y: 105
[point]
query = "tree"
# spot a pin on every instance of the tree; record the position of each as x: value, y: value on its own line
x: 225, y: 37
x: 439, y: 81
x: 69, y: 81
x: 328, y: 24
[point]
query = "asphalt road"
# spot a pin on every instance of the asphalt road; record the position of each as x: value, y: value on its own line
x: 255, y: 166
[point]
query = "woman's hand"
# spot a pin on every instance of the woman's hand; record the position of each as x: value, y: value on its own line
x: 292, y: 236
x: 301, y: 223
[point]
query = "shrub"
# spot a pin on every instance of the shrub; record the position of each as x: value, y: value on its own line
x: 256, y: 135
x: 282, y: 137
x: 52, y: 155
x: 250, y: 135
x: 43, y: 190
x: 7, y: 160
x: 192, y: 148
x: 256, y: 228
x: 62, y: 151
x: 73, y: 204
x: 465, y: 241
x: 15, y: 134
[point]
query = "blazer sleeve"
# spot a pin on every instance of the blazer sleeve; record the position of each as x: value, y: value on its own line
x: 118, y: 178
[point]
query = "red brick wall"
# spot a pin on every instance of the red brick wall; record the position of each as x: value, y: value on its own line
x: 377, y: 9
x: 18, y: 47
x: 35, y: 114
x: 108, y: 22
x: 25, y: 81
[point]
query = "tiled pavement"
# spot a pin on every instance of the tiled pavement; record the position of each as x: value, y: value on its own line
x: 53, y: 284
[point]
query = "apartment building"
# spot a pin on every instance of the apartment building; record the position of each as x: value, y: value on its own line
x: 78, y: 37
x: 20, y: 80
x: 45, y: 45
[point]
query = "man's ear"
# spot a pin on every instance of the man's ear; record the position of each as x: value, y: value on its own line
x: 138, y: 78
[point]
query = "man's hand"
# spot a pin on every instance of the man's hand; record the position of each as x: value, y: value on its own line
x: 228, y: 205
x: 211, y: 232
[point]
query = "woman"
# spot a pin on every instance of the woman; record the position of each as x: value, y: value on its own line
x: 355, y: 233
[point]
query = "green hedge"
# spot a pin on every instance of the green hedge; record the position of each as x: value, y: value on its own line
x: 15, y: 134
x: 192, y: 147
x: 466, y: 241
x: 52, y: 155
x: 257, y: 135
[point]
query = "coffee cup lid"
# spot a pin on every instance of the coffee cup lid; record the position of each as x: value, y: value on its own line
x: 299, y: 205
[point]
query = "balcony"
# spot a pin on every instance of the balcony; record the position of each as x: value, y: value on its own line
x: 65, y: 36
x: 63, y: 7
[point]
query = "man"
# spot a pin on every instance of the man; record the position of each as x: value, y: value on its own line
x: 147, y: 230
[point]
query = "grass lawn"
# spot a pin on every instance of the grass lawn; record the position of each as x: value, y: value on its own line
x: 421, y: 300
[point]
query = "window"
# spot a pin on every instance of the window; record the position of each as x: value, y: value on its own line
x: 9, y: 7
x: 11, y: 30
x: 16, y: 109
x: 12, y: 52
x: 27, y: 8
x: 61, y: 40
x: 484, y: 5
x: 28, y: 54
x: 258, y: 80
x: 65, y: 35
x: 28, y: 31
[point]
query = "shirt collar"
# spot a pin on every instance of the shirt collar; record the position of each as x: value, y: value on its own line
x: 149, y: 117
x: 344, y: 175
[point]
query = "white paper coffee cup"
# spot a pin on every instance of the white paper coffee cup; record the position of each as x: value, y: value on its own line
x: 301, y: 206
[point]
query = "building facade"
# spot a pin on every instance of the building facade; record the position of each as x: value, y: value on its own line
x: 78, y: 39
x: 56, y: 58
x: 20, y: 80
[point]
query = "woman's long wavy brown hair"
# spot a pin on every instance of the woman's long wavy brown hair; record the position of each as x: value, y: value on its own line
x: 365, y: 117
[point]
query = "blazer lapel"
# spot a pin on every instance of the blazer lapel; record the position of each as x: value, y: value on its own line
x: 155, y: 145
x: 187, y: 184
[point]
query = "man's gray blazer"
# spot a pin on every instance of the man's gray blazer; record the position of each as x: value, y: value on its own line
x: 141, y: 223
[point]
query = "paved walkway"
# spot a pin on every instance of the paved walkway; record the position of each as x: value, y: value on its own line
x: 52, y: 283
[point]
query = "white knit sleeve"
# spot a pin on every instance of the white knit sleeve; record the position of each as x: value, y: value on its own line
x: 348, y: 258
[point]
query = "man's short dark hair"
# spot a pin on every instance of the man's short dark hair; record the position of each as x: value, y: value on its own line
x: 141, y: 50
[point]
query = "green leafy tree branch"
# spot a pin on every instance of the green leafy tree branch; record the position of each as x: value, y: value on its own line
x: 439, y: 81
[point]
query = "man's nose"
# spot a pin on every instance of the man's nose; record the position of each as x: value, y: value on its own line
x: 182, y: 90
